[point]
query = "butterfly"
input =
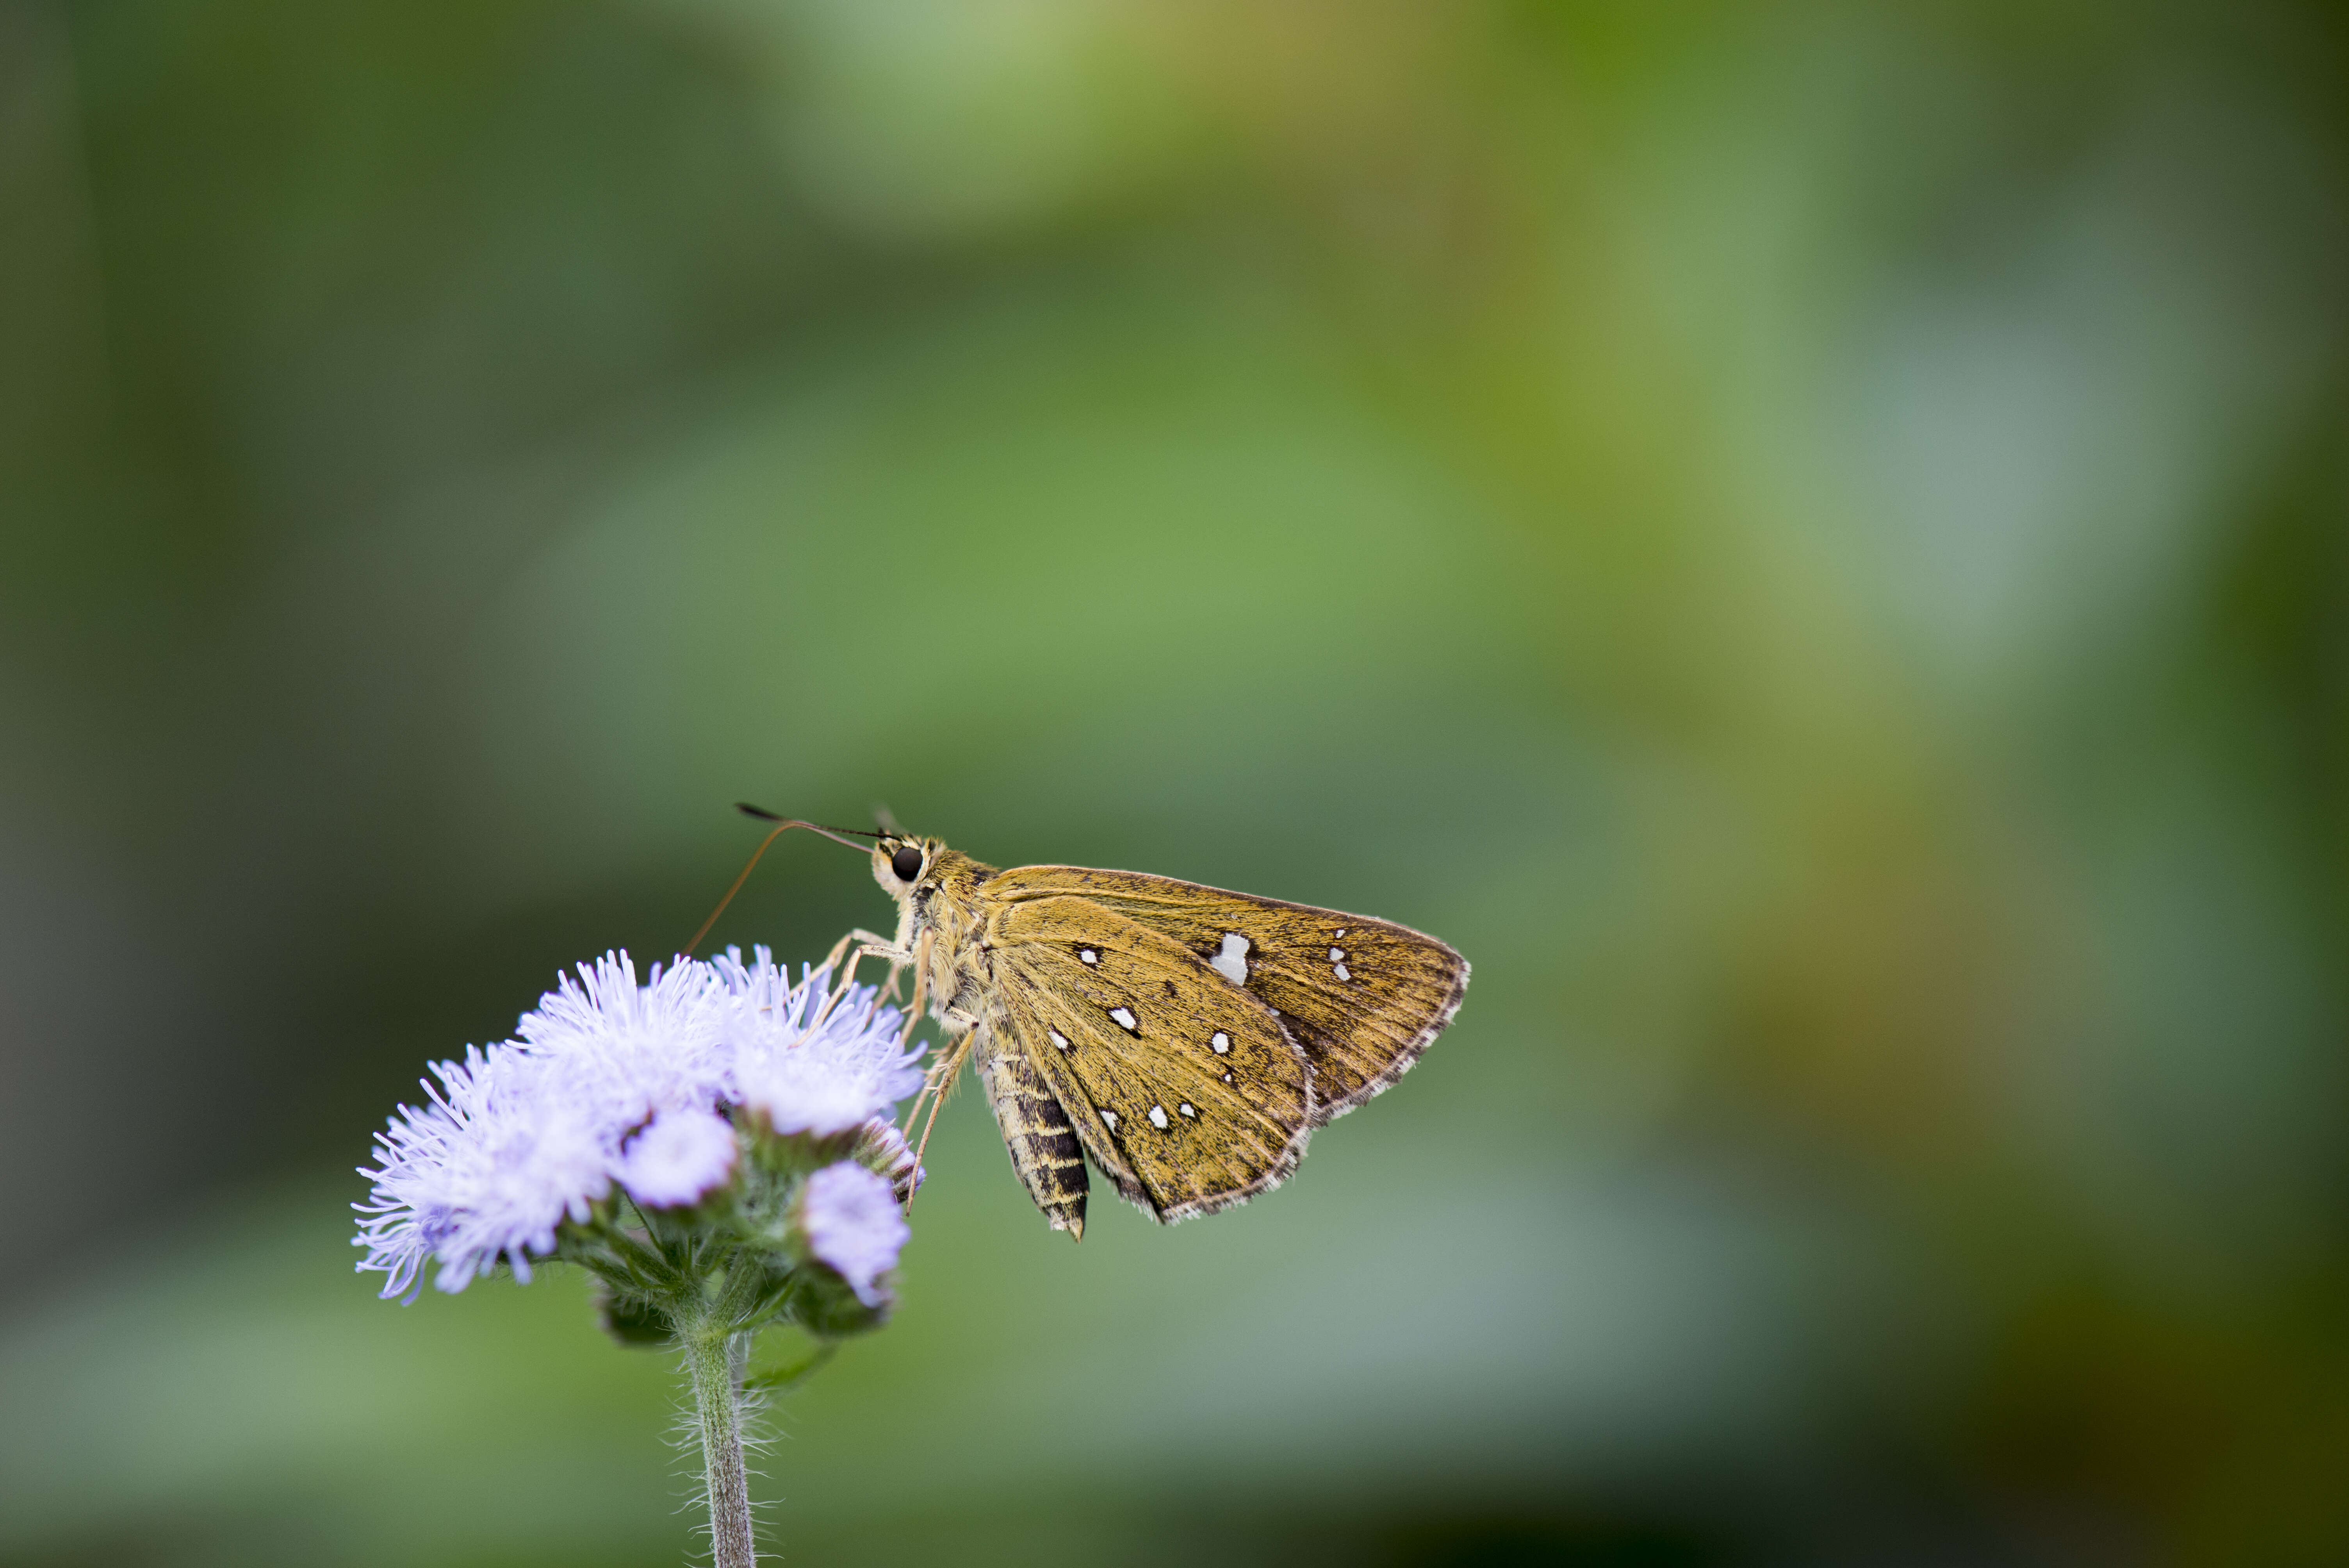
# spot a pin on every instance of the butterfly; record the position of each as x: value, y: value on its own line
x: 1186, y: 1040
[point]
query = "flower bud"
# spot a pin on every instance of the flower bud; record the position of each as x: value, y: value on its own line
x: 847, y: 1218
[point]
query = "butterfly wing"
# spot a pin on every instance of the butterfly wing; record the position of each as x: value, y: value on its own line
x: 1182, y: 1088
x: 1362, y: 997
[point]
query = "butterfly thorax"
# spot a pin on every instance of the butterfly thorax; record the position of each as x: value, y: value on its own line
x: 944, y: 906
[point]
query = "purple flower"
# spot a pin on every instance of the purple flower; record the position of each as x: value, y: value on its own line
x: 808, y: 1059
x: 852, y: 1221
x: 609, y: 1081
x: 677, y: 1158
x: 628, y: 1051
x: 497, y: 1159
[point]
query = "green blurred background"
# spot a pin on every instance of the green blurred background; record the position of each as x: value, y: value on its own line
x: 1807, y: 540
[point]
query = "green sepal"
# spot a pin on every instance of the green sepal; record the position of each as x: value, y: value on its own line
x: 632, y: 1320
x: 759, y: 1293
x: 792, y: 1154
x: 827, y: 1308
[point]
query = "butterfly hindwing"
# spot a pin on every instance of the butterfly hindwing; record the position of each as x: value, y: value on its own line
x: 1362, y: 998
x: 1184, y: 1088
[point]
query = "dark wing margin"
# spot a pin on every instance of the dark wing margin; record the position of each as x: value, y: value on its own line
x: 1363, y: 1033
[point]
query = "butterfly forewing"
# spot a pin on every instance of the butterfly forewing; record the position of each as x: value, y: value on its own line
x: 1184, y: 1088
x: 1362, y: 998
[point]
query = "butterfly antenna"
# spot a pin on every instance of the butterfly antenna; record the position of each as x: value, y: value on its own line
x: 764, y: 815
x: 782, y: 825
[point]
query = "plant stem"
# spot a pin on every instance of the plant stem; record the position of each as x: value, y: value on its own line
x: 707, y: 1351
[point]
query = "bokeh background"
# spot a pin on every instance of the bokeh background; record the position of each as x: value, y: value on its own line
x: 1808, y: 539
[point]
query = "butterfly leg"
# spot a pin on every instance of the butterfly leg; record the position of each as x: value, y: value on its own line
x: 898, y: 959
x: 879, y: 946
x: 868, y: 944
x: 940, y: 1079
x: 1036, y: 1129
x: 885, y: 946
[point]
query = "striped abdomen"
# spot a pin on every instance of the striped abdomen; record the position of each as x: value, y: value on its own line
x: 1043, y: 1146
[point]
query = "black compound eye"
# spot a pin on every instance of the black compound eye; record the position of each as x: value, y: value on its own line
x: 907, y: 862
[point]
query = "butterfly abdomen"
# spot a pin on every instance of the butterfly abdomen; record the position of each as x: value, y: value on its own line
x: 1036, y: 1129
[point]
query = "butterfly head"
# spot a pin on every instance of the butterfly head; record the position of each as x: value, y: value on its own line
x: 914, y: 870
x: 900, y: 860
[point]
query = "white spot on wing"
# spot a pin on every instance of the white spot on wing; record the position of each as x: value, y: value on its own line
x: 1089, y: 956
x: 1124, y: 1019
x: 1336, y: 955
x: 1158, y: 1116
x: 1109, y: 1117
x: 1343, y: 975
x: 1185, y: 1109
x: 1231, y: 962
x: 1227, y: 1077
x: 1059, y: 1039
x: 1222, y: 1042
x: 1338, y: 935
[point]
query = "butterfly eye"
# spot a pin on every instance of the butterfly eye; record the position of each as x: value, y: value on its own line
x: 907, y: 862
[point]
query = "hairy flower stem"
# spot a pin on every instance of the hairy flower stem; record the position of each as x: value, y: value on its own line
x: 708, y: 1352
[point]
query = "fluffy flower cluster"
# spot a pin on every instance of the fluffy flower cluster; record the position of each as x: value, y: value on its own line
x: 609, y: 1082
x: 852, y: 1221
